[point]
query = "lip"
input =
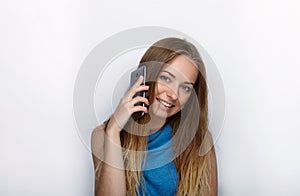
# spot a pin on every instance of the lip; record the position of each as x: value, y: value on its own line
x: 163, y: 103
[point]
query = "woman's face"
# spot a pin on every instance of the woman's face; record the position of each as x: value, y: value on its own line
x: 174, y: 87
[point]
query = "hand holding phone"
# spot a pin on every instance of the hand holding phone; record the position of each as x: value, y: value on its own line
x: 129, y: 106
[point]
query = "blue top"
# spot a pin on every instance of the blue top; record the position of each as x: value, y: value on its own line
x: 159, y: 175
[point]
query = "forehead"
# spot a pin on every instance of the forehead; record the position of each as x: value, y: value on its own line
x: 182, y: 67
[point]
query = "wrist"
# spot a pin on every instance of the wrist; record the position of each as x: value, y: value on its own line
x: 113, y: 138
x: 113, y: 132
x: 112, y: 126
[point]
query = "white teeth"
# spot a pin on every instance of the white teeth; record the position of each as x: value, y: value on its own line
x: 165, y: 103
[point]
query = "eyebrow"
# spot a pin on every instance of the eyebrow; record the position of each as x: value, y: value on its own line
x: 173, y: 76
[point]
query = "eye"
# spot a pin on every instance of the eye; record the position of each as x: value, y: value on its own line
x: 165, y: 78
x: 186, y: 88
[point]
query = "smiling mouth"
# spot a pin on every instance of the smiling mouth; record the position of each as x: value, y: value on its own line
x: 164, y: 103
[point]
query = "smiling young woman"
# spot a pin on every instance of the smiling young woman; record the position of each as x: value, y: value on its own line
x: 159, y: 154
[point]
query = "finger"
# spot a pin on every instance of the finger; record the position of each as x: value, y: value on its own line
x: 141, y: 88
x: 139, y: 99
x: 138, y: 82
x: 130, y: 92
x: 139, y: 109
x: 138, y: 89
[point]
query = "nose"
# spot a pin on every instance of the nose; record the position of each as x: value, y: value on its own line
x: 172, y: 93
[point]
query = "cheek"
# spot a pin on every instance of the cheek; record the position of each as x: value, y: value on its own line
x: 159, y: 88
x: 183, y: 99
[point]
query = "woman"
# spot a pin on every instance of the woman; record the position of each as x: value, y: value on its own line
x: 168, y: 151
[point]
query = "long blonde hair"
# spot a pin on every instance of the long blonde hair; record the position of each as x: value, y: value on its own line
x: 193, y: 168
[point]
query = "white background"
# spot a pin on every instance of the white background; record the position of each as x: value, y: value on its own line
x: 255, y: 45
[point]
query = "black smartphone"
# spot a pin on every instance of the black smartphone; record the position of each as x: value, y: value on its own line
x: 141, y: 71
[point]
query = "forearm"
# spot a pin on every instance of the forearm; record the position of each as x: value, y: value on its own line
x: 112, y: 176
x: 111, y: 182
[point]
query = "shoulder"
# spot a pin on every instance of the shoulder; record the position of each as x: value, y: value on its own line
x: 98, y: 132
x: 207, y: 145
x: 208, y: 149
x: 97, y: 141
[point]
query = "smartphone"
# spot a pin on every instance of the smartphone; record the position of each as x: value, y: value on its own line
x: 141, y: 71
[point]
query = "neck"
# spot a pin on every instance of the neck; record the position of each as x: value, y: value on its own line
x: 156, y: 123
